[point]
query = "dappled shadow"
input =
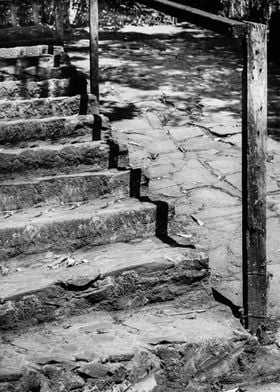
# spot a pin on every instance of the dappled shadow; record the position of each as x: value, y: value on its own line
x: 183, y: 64
x: 188, y: 63
x: 116, y: 112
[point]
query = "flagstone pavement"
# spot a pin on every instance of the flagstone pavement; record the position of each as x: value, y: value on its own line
x: 173, y: 94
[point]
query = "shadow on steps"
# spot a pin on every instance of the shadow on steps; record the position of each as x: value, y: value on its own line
x: 161, y: 211
x: 236, y: 310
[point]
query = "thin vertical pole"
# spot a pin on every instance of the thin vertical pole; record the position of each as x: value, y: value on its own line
x: 35, y: 11
x: 254, y: 139
x: 59, y: 19
x: 94, y: 63
x: 13, y: 9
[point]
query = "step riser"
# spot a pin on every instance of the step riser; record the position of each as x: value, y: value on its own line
x: 24, y: 51
x: 63, y: 190
x: 100, y: 229
x: 41, y: 129
x: 44, y: 107
x: 31, y: 89
x: 14, y: 73
x: 69, y: 159
x: 121, y: 291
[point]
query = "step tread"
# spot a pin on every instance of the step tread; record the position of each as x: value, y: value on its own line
x: 102, y: 337
x: 45, y: 107
x: 45, y: 119
x: 35, y: 180
x: 50, y: 145
x: 23, y: 192
x: 21, y: 51
x: 20, y: 90
x: 46, y: 214
x: 40, y: 100
x: 36, y: 272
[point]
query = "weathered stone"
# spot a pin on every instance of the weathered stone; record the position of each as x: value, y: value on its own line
x: 235, y: 180
x: 126, y: 276
x: 30, y: 89
x: 225, y: 166
x: 23, y: 51
x: 54, y: 159
x: 63, y: 189
x: 153, y: 120
x: 94, y: 370
x: 10, y: 374
x: 142, y: 365
x: 66, y: 228
x: 48, y: 128
x: 225, y: 129
x: 44, y: 107
x: 184, y: 133
x: 11, y: 72
x: 194, y: 174
x: 162, y: 147
x: 164, y: 187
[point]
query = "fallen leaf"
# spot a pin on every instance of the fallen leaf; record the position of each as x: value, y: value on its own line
x: 38, y: 215
x: 135, y: 144
x: 8, y: 215
x: 70, y: 262
x: 4, y: 270
x: 198, y: 221
x: 184, y: 235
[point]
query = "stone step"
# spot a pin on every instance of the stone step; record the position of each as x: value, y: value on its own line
x: 66, y: 228
x: 13, y: 72
x: 26, y: 51
x: 118, y: 276
x: 164, y: 347
x: 272, y: 387
x: 44, y: 107
x: 26, y: 89
x: 45, y: 128
x: 19, y: 194
x: 45, y: 158
x: 44, y: 60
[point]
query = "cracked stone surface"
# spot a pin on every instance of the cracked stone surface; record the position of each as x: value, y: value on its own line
x: 178, y: 106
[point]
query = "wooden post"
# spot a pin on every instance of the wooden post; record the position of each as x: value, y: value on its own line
x: 59, y: 19
x: 35, y: 11
x: 13, y: 9
x: 94, y: 64
x: 254, y: 135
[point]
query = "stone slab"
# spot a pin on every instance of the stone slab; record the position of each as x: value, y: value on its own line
x: 24, y: 51
x: 185, y: 132
x: 64, y: 227
x: 118, y: 276
x: 18, y: 194
x: 128, y: 349
x: 44, y: 107
x: 10, y: 72
x: 50, y: 159
x: 46, y: 128
x: 31, y: 89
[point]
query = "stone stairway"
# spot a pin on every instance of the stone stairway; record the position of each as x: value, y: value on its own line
x: 93, y: 295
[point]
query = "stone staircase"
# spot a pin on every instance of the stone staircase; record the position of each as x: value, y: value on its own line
x: 93, y: 295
